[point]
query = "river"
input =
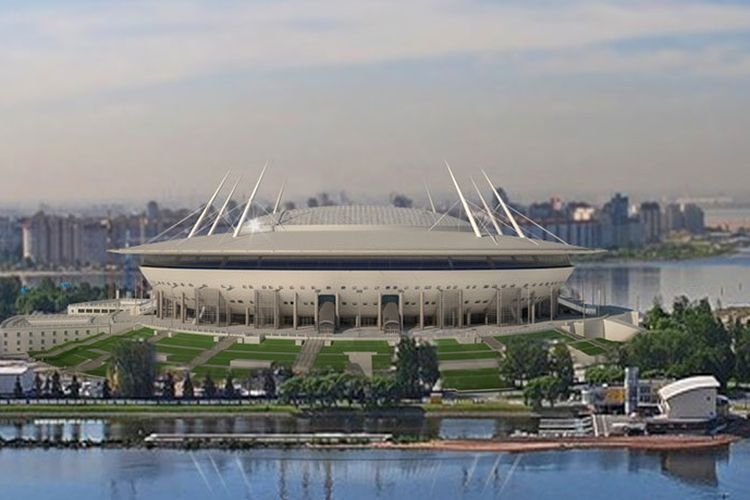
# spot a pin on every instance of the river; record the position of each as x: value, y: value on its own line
x: 724, y: 280
x: 362, y: 474
x: 96, y: 473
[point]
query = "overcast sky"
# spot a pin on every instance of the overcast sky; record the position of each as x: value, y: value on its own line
x: 129, y: 101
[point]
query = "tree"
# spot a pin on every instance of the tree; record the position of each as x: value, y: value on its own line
x: 416, y: 367
x: 10, y: 288
x: 561, y: 366
x: 74, y: 388
x: 523, y: 360
x: 269, y: 383
x: 37, y: 386
x: 188, y: 391
x: 17, y: 388
x: 168, y: 389
x: 429, y: 370
x: 604, y: 374
x: 229, y: 391
x: 106, y: 391
x: 134, y: 364
x: 56, y: 389
x: 539, y: 388
x: 290, y: 390
x: 209, y: 387
x: 689, y: 341
x: 47, y: 387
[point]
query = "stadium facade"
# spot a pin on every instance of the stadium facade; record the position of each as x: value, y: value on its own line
x: 327, y: 269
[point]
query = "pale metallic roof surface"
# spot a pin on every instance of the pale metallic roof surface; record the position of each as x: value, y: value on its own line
x: 688, y: 384
x: 355, y: 230
x: 364, y: 215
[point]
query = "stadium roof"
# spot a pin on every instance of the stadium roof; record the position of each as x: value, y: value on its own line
x: 355, y: 230
x: 362, y: 215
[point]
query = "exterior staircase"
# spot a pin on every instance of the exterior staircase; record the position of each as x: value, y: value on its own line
x: 306, y: 357
x: 204, y: 356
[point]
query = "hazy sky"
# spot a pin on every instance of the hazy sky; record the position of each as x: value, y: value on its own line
x: 130, y: 101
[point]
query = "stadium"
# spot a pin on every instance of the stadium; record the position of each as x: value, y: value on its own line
x: 332, y: 269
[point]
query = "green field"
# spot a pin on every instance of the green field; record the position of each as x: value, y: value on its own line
x: 588, y: 347
x: 461, y: 356
x: 445, y: 346
x: 281, y: 351
x: 333, y: 358
x: 451, y: 350
x: 466, y: 380
x: 182, y: 348
x: 342, y: 346
x: 335, y: 362
x: 546, y: 335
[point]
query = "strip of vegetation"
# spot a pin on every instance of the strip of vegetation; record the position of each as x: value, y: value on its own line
x: 342, y: 346
x: 459, y: 356
x: 182, y: 407
x: 468, y: 380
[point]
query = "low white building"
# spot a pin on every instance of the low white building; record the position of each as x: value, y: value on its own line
x: 689, y: 398
x: 9, y: 371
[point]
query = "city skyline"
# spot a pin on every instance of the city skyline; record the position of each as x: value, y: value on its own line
x: 138, y: 101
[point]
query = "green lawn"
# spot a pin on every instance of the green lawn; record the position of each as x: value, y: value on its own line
x: 270, y: 345
x: 336, y: 362
x: 281, y: 351
x: 342, y: 346
x: 193, y: 340
x: 72, y: 357
x: 465, y: 380
x: 546, y: 335
x: 588, y: 347
x: 456, y: 356
x: 451, y: 345
x: 381, y: 361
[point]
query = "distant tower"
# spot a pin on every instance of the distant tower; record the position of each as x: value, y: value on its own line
x: 129, y: 268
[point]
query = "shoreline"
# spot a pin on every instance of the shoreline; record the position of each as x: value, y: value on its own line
x: 643, y: 443
x: 654, y: 443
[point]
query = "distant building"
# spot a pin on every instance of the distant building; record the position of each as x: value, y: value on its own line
x: 53, y: 240
x: 651, y: 220
x: 684, y: 217
x: 619, y: 229
x: 10, y: 239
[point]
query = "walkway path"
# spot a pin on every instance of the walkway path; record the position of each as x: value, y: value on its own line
x: 204, y: 356
x: 306, y: 357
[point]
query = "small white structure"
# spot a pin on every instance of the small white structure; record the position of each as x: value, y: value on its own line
x: 689, y: 398
x: 8, y: 373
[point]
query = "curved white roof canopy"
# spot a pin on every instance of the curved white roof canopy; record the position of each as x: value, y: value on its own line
x: 688, y: 384
x: 356, y: 230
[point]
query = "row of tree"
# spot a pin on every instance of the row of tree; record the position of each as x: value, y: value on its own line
x: 689, y: 340
x: 51, y: 387
x: 46, y: 297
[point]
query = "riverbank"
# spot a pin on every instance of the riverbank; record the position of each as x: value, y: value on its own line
x: 644, y: 443
x: 344, y: 441
x: 489, y: 409
x: 666, y: 251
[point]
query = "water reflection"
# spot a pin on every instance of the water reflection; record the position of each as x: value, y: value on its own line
x: 126, y: 428
x: 362, y: 474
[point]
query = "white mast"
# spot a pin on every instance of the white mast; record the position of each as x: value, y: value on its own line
x: 429, y: 197
x: 505, y: 207
x: 278, y: 198
x: 249, y: 203
x: 487, y: 208
x: 208, y: 205
x: 464, y: 203
x: 223, y: 207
